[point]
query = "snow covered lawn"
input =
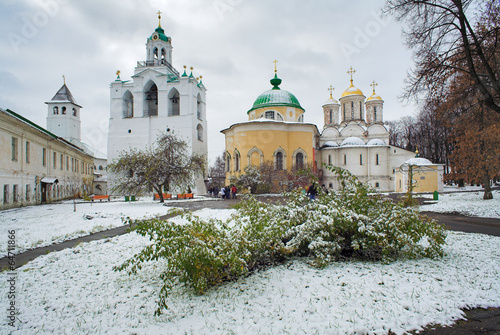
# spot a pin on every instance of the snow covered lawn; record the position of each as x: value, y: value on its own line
x: 38, y: 226
x: 76, y: 291
x: 467, y: 203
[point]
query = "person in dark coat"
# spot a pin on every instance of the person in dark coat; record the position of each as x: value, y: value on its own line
x: 312, y: 191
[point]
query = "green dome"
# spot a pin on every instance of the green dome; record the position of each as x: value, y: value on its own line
x: 161, y: 34
x: 275, y: 97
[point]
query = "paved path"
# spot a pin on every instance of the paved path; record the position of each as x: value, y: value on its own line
x: 479, y: 321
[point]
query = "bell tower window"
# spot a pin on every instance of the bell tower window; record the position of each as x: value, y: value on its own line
x: 174, y: 105
x: 56, y: 110
x: 151, y: 100
x: 374, y: 113
x: 63, y: 110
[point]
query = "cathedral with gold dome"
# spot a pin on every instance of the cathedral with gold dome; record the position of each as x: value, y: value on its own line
x: 353, y: 137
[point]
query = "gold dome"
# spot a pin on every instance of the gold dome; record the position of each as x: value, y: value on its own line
x: 374, y: 97
x: 352, y: 90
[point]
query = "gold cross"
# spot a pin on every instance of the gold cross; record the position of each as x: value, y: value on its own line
x: 159, y: 18
x: 351, y: 72
x: 118, y: 73
x: 331, y: 88
x: 374, y: 84
x: 64, y: 79
x: 275, y: 67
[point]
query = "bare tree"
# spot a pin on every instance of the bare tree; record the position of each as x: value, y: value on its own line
x: 448, y: 39
x: 163, y: 167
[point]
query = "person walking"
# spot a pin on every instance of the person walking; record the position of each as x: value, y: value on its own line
x: 223, y: 192
x: 233, y: 191
x: 312, y: 191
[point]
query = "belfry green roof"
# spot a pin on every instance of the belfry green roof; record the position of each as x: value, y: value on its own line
x: 161, y: 34
x: 275, y: 97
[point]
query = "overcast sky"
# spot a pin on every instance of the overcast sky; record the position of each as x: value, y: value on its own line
x: 231, y: 43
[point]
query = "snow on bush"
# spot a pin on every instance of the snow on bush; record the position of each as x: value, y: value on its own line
x: 350, y: 223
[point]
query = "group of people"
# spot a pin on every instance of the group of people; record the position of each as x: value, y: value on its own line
x: 226, y: 192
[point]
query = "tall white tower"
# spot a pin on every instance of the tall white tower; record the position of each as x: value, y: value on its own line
x: 158, y: 99
x: 63, y: 118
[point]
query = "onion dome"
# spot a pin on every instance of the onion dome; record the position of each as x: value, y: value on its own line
x: 275, y: 97
x: 331, y: 100
x: 352, y: 142
x: 375, y: 141
x: 374, y: 96
x: 351, y: 90
x: 159, y: 33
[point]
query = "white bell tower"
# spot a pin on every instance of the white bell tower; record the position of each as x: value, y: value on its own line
x: 63, y: 117
x: 159, y: 47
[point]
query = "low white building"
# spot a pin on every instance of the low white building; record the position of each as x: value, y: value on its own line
x: 38, y: 166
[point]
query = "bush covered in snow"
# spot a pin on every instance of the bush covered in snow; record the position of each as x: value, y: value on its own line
x: 350, y: 223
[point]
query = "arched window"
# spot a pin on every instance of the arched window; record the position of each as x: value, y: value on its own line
x: 279, y: 160
x: 279, y: 117
x: 361, y: 159
x: 329, y: 159
x: 199, y: 130
x: 377, y: 184
x: 331, y: 116
x: 198, y: 108
x: 174, y: 103
x: 375, y: 114
x: 299, y: 160
x: 74, y: 112
x: 269, y: 115
x: 151, y: 99
x: 56, y: 110
x: 63, y: 111
x: 330, y: 185
x: 155, y: 53
x: 376, y: 160
x: 237, y: 158
x: 128, y: 104
x: 163, y: 55
x: 100, y: 167
x: 228, y: 162
x: 345, y: 159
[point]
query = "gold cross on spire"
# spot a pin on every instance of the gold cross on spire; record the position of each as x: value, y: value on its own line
x: 331, y: 88
x: 118, y: 73
x: 374, y: 84
x: 159, y: 18
x: 275, y: 66
x: 351, y: 72
x: 64, y: 79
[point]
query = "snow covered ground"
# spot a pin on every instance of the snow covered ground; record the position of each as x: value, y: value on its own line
x: 75, y: 291
x: 466, y: 203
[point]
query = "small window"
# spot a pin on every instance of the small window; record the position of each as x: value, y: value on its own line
x: 237, y: 161
x: 345, y: 159
x: 44, y: 156
x: 54, y: 160
x: 199, y: 130
x: 301, y: 118
x: 329, y: 159
x: 330, y: 185
x: 100, y: 167
x: 28, y: 192
x: 27, y: 152
x: 279, y: 160
x: 6, y: 194
x: 14, y: 149
x: 61, y: 162
x: 377, y: 184
x: 360, y: 159
x: 15, y: 193
x: 376, y: 160
x: 63, y: 110
x: 198, y: 110
x: 422, y: 178
x: 299, y: 160
x: 74, y: 111
x: 67, y: 163
x: 55, y: 110
x: 269, y: 115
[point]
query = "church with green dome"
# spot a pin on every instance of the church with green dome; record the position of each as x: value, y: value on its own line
x: 353, y: 137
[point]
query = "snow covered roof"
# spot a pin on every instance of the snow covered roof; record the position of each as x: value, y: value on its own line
x: 352, y: 142
x: 375, y: 141
x: 330, y: 144
x: 418, y: 161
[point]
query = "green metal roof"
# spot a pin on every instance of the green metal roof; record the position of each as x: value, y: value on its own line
x: 161, y: 34
x: 275, y: 97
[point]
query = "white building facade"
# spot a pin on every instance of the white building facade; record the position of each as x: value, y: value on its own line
x: 355, y: 138
x: 38, y: 166
x: 157, y: 100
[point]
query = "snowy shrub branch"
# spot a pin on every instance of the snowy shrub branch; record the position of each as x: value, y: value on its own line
x: 354, y: 222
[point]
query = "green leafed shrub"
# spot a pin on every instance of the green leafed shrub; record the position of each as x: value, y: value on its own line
x: 353, y: 222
